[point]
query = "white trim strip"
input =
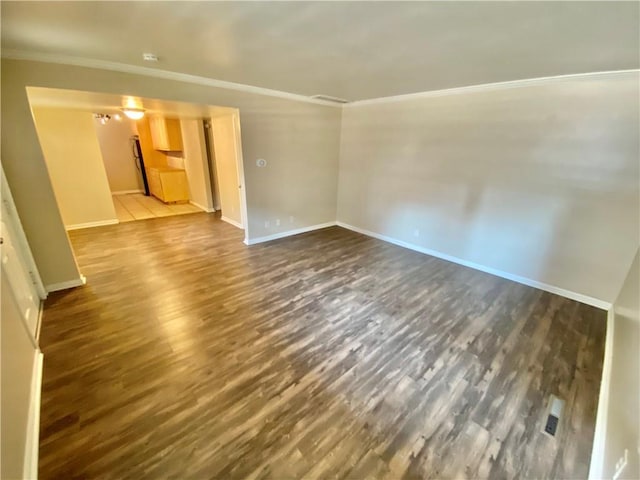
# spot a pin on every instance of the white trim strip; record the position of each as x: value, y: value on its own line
x: 231, y: 222
x: 39, y: 324
x: 157, y: 73
x: 596, y: 469
x: 499, y: 273
x: 482, y: 87
x: 101, y: 223
x: 288, y: 233
x: 30, y: 467
x: 126, y: 192
x: 23, y: 246
x: 204, y: 209
x: 54, y: 287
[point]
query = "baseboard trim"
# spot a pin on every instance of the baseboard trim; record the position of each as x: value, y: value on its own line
x: 602, y: 416
x: 78, y: 282
x: 100, y: 223
x: 231, y: 222
x: 595, y: 302
x: 288, y: 233
x: 204, y: 209
x: 126, y: 192
x: 30, y: 467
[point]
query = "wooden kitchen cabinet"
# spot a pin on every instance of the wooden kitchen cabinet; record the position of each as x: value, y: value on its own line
x: 165, y: 134
x: 168, y: 184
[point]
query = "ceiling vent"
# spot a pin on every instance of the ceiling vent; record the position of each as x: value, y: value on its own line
x: 329, y: 98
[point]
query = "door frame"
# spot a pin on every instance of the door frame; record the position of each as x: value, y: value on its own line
x: 20, y: 244
x: 241, y: 178
x: 234, y: 117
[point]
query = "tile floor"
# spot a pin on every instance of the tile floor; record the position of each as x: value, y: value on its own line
x: 136, y: 206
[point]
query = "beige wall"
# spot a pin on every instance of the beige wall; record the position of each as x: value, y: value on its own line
x: 195, y: 163
x: 225, y: 148
x: 72, y: 154
x: 28, y: 177
x: 300, y: 140
x: 623, y: 416
x: 17, y: 359
x: 114, y: 139
x: 539, y: 181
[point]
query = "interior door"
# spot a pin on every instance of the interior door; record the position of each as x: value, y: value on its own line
x: 226, y: 164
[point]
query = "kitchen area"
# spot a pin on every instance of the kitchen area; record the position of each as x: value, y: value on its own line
x: 112, y: 164
x: 162, y: 187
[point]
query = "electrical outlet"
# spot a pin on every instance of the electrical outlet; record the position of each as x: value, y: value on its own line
x: 416, y: 233
x: 621, y: 464
x: 277, y: 222
x: 267, y: 224
x: 291, y: 219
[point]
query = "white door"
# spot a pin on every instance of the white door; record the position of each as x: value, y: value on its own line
x: 18, y: 268
x: 225, y: 147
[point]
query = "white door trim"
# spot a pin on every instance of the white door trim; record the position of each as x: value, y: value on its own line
x: 9, y: 208
x: 240, y: 170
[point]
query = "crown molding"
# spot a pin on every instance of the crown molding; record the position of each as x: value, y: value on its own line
x: 210, y: 82
x: 157, y: 73
x: 482, y: 87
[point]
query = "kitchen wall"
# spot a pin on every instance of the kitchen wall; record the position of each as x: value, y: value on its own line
x: 114, y: 139
x: 623, y: 416
x: 195, y: 163
x: 540, y: 180
x: 300, y: 140
x: 74, y: 161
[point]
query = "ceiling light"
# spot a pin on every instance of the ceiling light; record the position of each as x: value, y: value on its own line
x: 103, y: 118
x: 133, y: 113
x: 118, y: 117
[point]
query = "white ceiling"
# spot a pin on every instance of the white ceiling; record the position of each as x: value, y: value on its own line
x: 353, y: 50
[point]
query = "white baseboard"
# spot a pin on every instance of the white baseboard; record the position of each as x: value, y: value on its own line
x: 288, y: 233
x: 30, y: 467
x: 78, y: 282
x: 596, y: 468
x: 499, y: 273
x: 100, y: 223
x: 232, y: 222
x: 204, y: 209
x: 126, y: 192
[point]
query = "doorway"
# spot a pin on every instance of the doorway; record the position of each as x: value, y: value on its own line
x: 81, y: 182
x: 226, y: 167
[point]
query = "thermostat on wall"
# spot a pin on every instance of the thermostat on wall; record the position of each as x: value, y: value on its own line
x: 261, y: 162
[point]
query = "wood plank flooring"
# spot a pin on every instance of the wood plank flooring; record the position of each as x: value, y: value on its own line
x: 135, y: 206
x: 324, y: 355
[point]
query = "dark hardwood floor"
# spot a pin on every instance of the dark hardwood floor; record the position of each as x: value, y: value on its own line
x: 324, y: 355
